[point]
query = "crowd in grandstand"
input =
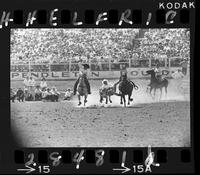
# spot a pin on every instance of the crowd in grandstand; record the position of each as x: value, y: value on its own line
x: 97, y: 45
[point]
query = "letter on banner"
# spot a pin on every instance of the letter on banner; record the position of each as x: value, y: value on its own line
x: 65, y: 74
x: 24, y: 74
x: 13, y: 75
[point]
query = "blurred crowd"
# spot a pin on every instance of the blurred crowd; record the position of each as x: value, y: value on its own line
x: 96, y: 46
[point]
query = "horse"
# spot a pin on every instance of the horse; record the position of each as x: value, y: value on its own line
x: 125, y: 87
x: 106, y: 93
x: 82, y: 89
x: 157, y: 84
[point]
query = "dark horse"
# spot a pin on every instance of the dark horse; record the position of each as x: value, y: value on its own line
x: 125, y: 87
x: 156, y: 83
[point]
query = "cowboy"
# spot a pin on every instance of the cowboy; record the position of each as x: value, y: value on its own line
x: 31, y: 84
x: 28, y: 96
x: 38, y: 93
x: 43, y: 83
x: 20, y: 95
x: 12, y: 95
x: 26, y: 82
x: 184, y: 65
x: 55, y: 94
x: 83, y: 72
x: 123, y: 74
x: 105, y: 85
x: 46, y: 95
x: 158, y: 72
x: 68, y: 94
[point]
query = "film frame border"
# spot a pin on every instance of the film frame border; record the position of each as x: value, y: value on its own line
x: 185, y: 150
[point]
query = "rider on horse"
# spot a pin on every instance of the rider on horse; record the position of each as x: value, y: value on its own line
x: 158, y: 72
x: 83, y: 72
x: 123, y: 73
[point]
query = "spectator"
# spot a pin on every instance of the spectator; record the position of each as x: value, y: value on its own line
x: 38, y: 93
x: 31, y: 84
x: 28, y: 96
x: 43, y: 84
x: 20, y: 95
x: 26, y: 82
x: 54, y: 94
x: 184, y: 65
x: 12, y: 95
x: 46, y: 95
x: 68, y: 94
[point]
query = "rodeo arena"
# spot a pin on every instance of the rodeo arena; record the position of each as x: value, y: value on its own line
x: 100, y: 87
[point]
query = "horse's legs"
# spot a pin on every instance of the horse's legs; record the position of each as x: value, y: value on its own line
x: 124, y: 98
x: 166, y: 92
x: 101, y: 99
x: 129, y: 96
x: 121, y: 100
x: 110, y: 99
x: 128, y: 99
x: 150, y: 90
x: 160, y: 93
x: 154, y: 92
x: 79, y: 99
x: 106, y: 99
x: 85, y: 100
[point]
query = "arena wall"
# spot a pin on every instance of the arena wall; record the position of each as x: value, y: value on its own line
x: 132, y: 73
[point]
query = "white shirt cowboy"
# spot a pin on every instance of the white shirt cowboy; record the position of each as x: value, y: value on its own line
x: 38, y: 91
x: 46, y: 93
x: 158, y: 71
x: 68, y: 94
x: 26, y: 82
x: 82, y: 70
x: 31, y: 82
x: 105, y: 86
x: 43, y: 84
x: 54, y: 91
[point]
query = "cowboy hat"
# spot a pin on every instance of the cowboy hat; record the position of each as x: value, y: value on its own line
x: 85, y: 66
x: 104, y: 80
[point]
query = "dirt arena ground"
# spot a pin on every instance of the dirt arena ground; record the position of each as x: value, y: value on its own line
x: 164, y: 123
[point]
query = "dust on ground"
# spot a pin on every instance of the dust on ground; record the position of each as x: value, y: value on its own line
x: 164, y: 123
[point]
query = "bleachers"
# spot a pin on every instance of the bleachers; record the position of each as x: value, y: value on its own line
x: 97, y: 46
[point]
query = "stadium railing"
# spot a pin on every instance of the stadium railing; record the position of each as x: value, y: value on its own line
x: 95, y: 66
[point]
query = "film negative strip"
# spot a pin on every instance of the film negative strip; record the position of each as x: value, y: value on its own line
x: 97, y: 87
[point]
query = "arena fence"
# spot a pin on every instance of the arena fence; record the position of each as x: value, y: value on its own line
x: 69, y: 70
